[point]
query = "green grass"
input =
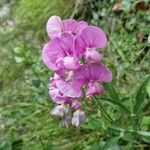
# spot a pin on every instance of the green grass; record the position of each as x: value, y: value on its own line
x: 119, y: 118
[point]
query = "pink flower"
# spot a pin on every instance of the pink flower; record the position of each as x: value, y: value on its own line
x: 58, y: 53
x: 71, y: 43
x: 92, y: 73
x: 59, y: 97
x: 55, y: 26
x: 90, y: 38
x: 63, y: 92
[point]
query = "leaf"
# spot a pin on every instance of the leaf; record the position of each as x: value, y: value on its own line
x: 93, y: 124
x: 146, y: 139
x: 111, y: 144
x: 112, y: 92
x: 121, y: 107
x: 144, y: 133
x: 140, y: 96
x: 130, y: 137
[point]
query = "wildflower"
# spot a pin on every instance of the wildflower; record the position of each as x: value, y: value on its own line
x: 71, y: 43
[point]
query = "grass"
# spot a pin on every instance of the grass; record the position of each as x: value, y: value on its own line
x: 118, y: 119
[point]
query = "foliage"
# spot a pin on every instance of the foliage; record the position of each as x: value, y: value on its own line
x: 33, y: 15
x: 119, y: 119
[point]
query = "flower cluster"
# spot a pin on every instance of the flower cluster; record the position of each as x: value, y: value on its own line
x: 71, y: 54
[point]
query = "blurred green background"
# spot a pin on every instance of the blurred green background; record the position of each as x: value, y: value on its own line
x: 117, y: 120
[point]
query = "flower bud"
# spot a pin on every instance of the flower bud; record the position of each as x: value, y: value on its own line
x: 78, y: 118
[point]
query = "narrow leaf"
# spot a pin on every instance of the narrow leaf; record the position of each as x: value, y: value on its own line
x: 121, y: 107
x: 140, y: 96
x: 144, y: 133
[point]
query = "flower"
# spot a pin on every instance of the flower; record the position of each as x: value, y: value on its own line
x: 92, y: 72
x: 58, y: 54
x: 78, y: 118
x: 74, y: 79
x: 91, y: 37
x: 59, y: 110
x: 57, y: 93
x: 55, y: 26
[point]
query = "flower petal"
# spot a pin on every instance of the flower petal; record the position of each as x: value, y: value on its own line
x: 69, y: 25
x: 54, y: 26
x: 92, y: 56
x: 78, y: 118
x: 66, y: 42
x: 70, y: 63
x: 92, y: 72
x: 94, y: 89
x: 80, y: 26
x: 76, y: 105
x: 51, y: 52
x: 79, y: 47
x: 59, y: 110
x: 99, y: 72
x: 68, y: 89
x: 94, y: 37
x: 56, y: 96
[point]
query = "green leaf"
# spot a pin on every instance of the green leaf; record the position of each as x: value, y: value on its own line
x: 121, y: 107
x: 140, y: 96
x: 112, y: 92
x: 144, y: 133
x: 130, y: 137
x: 111, y: 144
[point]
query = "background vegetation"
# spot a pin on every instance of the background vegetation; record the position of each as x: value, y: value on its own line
x: 117, y: 120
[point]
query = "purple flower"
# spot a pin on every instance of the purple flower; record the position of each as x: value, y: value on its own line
x: 78, y: 118
x: 55, y: 26
x: 58, y: 53
x: 92, y: 72
x: 57, y: 91
x: 90, y: 38
x: 59, y: 97
x: 71, y: 43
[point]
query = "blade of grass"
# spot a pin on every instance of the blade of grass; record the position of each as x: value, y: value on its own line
x: 121, y: 107
x: 140, y: 96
